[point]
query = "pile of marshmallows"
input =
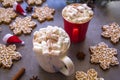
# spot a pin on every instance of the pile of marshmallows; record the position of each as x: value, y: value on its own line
x: 77, y: 13
x: 51, y: 40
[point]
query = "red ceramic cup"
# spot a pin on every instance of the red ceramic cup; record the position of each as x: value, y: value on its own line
x: 76, y: 31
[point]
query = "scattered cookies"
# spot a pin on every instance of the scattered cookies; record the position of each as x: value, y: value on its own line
x: 111, y: 31
x: 90, y: 75
x: 7, y: 55
x: 22, y: 25
x: 104, y: 55
x: 7, y: 3
x: 37, y: 2
x: 6, y: 15
x: 43, y: 13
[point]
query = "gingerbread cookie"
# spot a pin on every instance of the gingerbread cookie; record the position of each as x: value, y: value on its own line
x: 7, y: 3
x: 22, y: 25
x: 43, y: 13
x: 103, y: 55
x: 90, y: 75
x: 7, y: 55
x: 6, y: 15
x: 111, y: 31
x: 37, y: 2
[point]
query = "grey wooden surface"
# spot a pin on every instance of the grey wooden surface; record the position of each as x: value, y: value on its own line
x: 102, y: 16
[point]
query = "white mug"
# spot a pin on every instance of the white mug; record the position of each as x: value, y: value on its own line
x: 54, y: 63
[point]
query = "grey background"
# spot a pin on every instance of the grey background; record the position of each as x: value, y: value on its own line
x: 101, y: 16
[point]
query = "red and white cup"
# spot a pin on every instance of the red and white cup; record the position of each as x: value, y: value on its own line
x: 76, y: 31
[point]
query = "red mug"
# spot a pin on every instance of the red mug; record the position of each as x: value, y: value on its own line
x: 76, y: 32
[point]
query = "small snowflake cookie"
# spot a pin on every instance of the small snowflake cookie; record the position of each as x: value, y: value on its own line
x: 22, y: 25
x: 7, y: 55
x: 43, y: 13
x: 111, y: 31
x: 7, y: 3
x: 103, y: 55
x: 37, y: 2
x: 6, y: 15
x: 90, y: 75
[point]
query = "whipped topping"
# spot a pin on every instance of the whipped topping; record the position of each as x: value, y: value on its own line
x: 77, y: 13
x: 51, y: 40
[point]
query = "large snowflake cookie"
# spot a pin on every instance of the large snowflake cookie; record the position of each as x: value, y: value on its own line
x: 7, y: 3
x: 103, y: 55
x: 7, y: 55
x: 90, y: 75
x: 111, y: 31
x: 22, y: 25
x: 43, y: 13
x: 6, y: 15
x: 37, y: 2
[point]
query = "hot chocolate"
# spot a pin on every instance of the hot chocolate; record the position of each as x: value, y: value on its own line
x: 77, y: 13
x: 51, y: 40
x: 50, y: 45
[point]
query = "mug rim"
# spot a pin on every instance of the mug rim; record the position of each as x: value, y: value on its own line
x: 75, y: 22
x: 63, y: 51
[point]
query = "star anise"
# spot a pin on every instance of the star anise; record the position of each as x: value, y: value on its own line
x: 34, y: 78
x: 29, y: 9
x: 80, y: 55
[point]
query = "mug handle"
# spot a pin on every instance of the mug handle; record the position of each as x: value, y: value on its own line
x: 68, y: 69
x: 75, y: 33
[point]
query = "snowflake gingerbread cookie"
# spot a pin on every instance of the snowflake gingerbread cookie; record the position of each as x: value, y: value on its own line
x: 43, y: 13
x: 103, y: 55
x: 90, y: 75
x: 37, y: 2
x: 111, y: 31
x: 7, y: 3
x: 7, y: 55
x: 22, y: 25
x: 6, y: 15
